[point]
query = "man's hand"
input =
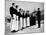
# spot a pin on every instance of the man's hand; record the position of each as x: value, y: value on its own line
x: 12, y: 18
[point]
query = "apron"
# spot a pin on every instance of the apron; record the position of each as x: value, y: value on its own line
x: 13, y: 23
x: 28, y: 21
x: 24, y: 22
x: 20, y: 23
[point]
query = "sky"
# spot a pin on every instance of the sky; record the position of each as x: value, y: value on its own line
x: 24, y: 5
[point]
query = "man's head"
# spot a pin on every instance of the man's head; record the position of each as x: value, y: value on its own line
x: 13, y: 4
x: 38, y: 9
x: 24, y: 11
x: 16, y: 6
x: 28, y: 11
x: 20, y: 9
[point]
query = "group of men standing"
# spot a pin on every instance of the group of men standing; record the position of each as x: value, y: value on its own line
x: 21, y: 20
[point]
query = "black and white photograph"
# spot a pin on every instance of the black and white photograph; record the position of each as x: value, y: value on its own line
x: 23, y: 17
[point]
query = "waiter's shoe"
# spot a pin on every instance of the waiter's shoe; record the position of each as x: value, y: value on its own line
x: 27, y: 26
x: 17, y: 30
x: 38, y: 27
x: 13, y: 31
x: 23, y: 28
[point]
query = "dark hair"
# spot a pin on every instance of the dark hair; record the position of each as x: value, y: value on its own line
x: 16, y: 6
x: 23, y: 10
x: 20, y: 9
x: 38, y: 8
x: 27, y: 10
x: 13, y: 3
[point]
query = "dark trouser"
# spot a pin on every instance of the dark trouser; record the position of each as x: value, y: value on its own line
x: 39, y: 23
x: 34, y: 22
x: 11, y: 15
x: 30, y: 23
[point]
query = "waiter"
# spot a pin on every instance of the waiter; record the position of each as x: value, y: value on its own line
x: 24, y: 19
x: 38, y: 17
x: 34, y: 18
x: 17, y: 18
x: 28, y: 19
x: 31, y: 20
x: 12, y: 11
x: 20, y: 19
